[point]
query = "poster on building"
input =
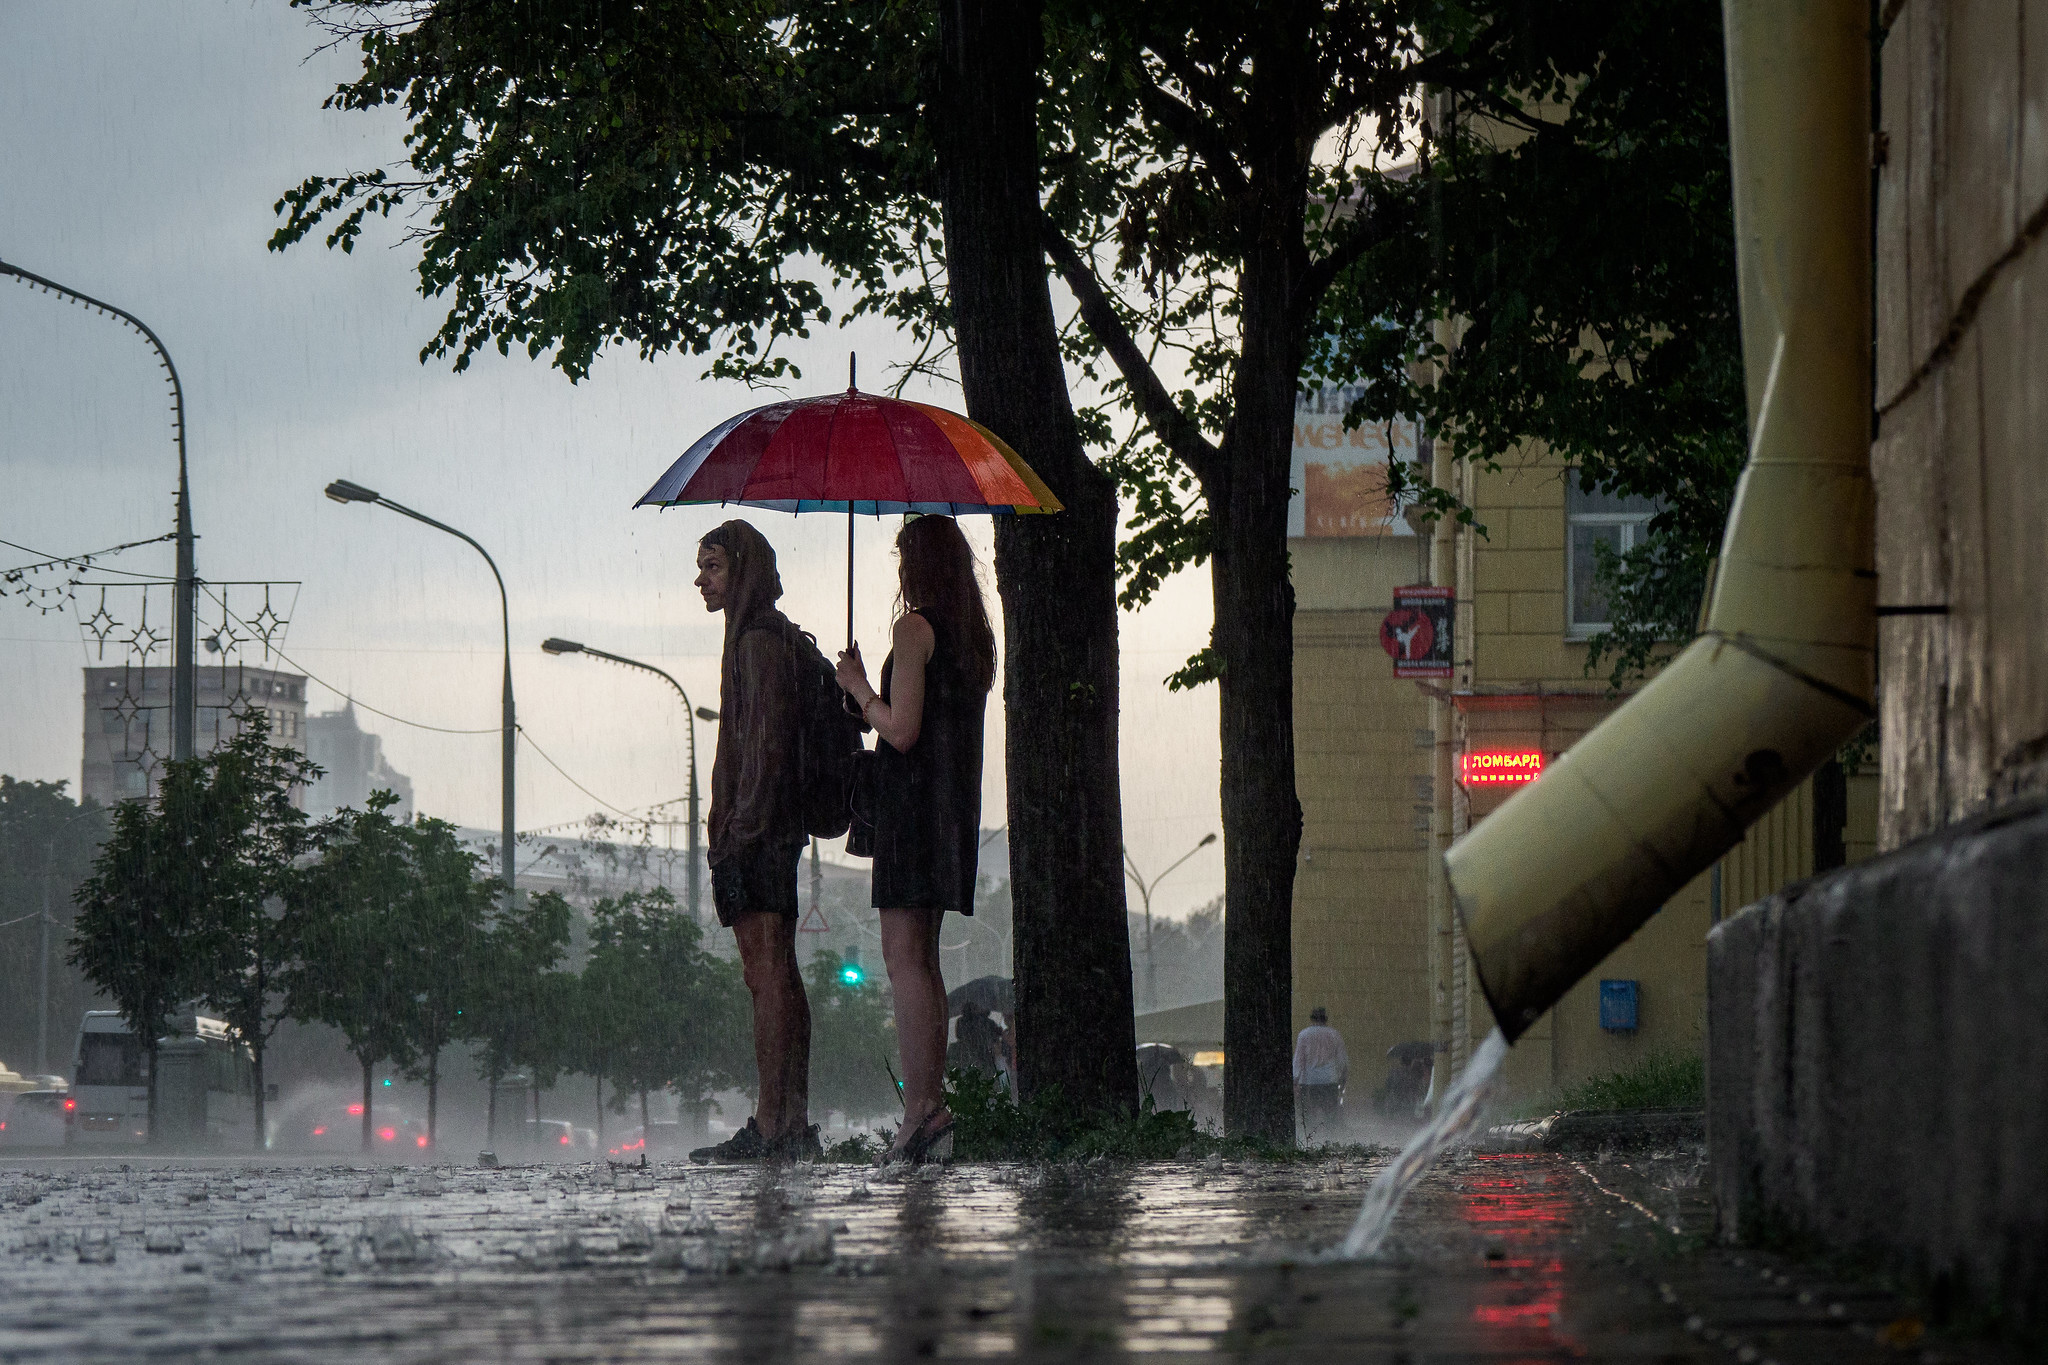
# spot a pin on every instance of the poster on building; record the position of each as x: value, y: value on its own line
x: 1339, y: 475
x: 1417, y: 632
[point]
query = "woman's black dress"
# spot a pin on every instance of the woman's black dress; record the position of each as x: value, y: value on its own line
x: 928, y: 801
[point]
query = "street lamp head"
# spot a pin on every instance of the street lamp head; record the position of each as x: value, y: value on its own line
x: 341, y: 490
x: 552, y: 645
x: 1207, y: 840
x: 706, y: 713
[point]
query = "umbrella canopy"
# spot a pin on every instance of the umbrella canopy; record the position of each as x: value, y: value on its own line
x: 853, y: 452
x: 995, y: 994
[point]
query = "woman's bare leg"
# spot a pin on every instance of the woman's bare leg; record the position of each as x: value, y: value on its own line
x: 910, y: 948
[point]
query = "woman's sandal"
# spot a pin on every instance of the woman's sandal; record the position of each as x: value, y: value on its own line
x: 933, y: 1147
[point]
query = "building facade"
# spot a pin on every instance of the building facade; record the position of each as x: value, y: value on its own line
x: 352, y: 766
x: 1391, y: 771
x: 127, y: 721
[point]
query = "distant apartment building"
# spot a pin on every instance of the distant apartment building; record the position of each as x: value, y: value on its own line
x: 127, y: 728
x: 353, y: 764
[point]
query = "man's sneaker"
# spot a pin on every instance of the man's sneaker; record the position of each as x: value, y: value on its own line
x: 745, y: 1145
x: 802, y: 1145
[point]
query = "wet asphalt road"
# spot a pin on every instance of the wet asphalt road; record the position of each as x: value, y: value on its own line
x: 1496, y: 1258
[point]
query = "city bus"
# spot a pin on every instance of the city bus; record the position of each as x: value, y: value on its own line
x: 206, y: 1094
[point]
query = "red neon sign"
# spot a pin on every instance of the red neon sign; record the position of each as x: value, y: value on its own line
x: 1500, y: 767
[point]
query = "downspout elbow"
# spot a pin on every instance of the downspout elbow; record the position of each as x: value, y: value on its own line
x: 1784, y: 672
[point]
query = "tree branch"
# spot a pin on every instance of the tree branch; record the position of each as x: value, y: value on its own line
x: 1179, y: 432
x: 1196, y: 133
x: 1373, y: 226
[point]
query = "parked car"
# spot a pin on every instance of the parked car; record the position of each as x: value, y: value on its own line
x: 559, y: 1137
x: 38, y: 1118
x: 663, y: 1138
x: 339, y: 1128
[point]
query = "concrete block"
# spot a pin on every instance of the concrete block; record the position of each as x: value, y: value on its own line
x: 1878, y: 1063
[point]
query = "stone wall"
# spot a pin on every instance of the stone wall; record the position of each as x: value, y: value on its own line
x: 1962, y: 398
x: 1877, y: 1065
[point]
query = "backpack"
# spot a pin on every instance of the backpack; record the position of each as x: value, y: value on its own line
x: 828, y: 739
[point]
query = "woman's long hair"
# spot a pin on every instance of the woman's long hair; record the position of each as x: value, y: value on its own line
x: 936, y: 575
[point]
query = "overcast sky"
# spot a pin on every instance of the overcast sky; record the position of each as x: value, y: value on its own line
x: 141, y: 148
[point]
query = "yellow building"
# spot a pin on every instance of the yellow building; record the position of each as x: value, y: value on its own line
x: 1378, y: 772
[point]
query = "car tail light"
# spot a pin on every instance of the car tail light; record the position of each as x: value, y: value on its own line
x: 355, y: 1110
x: 420, y: 1141
x: 70, y: 1105
x: 321, y: 1131
x: 565, y: 1139
x: 388, y: 1134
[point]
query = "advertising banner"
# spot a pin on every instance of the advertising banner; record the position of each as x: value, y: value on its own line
x: 1417, y: 632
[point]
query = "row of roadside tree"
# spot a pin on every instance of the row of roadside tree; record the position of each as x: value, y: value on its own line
x: 221, y: 893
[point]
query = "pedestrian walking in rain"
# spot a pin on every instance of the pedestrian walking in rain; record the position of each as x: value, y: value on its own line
x: 1320, y: 1070
x: 928, y: 717
x: 757, y: 834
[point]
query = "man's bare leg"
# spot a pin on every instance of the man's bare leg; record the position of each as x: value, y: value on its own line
x: 782, y: 1021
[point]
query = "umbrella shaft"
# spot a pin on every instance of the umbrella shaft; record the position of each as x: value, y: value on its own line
x: 849, y: 575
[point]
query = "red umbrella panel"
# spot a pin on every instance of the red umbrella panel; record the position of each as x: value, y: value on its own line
x: 854, y: 453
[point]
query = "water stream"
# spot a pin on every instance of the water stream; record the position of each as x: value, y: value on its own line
x: 1463, y: 1109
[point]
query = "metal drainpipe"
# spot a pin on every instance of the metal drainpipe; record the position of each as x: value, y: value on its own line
x: 1784, y: 672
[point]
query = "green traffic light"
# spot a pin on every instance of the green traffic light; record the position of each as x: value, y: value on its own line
x: 851, y: 974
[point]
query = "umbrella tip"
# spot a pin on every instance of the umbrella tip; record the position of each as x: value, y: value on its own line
x: 852, y: 361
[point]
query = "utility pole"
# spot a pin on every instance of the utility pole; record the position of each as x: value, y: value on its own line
x: 43, y: 1013
x: 184, y: 636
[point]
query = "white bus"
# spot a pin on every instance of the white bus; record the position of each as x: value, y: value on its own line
x: 206, y: 1094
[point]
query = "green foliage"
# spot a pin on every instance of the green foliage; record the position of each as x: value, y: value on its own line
x: 989, y: 1126
x: 581, y: 173
x: 655, y: 1011
x: 359, y: 969
x: 518, y: 1001
x: 1580, y: 245
x: 47, y: 845
x: 1664, y: 1080
x: 195, y: 896
x: 853, y: 1042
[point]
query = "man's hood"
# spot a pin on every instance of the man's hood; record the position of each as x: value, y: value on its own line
x: 752, y: 586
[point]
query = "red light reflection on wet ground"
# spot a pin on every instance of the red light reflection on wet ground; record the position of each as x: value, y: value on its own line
x: 1521, y: 1304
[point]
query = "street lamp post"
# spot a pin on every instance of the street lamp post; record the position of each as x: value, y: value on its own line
x: 185, y: 593
x: 1145, y: 891
x: 693, y: 713
x: 342, y: 491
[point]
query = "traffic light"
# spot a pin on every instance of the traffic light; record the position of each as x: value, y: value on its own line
x: 850, y: 972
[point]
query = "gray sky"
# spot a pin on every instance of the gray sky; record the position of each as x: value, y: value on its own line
x: 141, y: 148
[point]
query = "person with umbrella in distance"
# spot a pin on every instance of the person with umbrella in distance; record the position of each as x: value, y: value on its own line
x: 758, y: 832
x: 928, y: 717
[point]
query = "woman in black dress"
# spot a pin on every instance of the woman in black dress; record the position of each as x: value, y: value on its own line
x: 927, y: 797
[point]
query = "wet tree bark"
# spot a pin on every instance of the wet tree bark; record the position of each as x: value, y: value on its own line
x: 1254, y: 642
x: 1056, y: 575
x: 366, y: 1102
x: 433, y: 1093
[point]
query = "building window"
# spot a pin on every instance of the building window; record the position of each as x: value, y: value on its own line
x: 1591, y: 520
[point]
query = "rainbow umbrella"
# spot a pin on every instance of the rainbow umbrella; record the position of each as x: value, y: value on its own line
x: 857, y: 453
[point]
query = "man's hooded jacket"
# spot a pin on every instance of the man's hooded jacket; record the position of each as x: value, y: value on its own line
x: 754, y: 798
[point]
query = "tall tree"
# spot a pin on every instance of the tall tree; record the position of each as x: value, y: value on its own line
x: 443, y: 917
x: 853, y: 1039
x: 519, y: 999
x: 47, y: 843
x: 251, y: 919
x: 677, y: 176
x: 356, y: 973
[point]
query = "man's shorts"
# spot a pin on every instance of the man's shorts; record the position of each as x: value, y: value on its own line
x: 759, y: 881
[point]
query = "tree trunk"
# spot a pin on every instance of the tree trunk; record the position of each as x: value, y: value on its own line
x: 149, y: 1122
x: 433, y: 1093
x: 1254, y: 643
x: 646, y: 1128
x: 367, y: 1066
x: 1056, y: 575
x: 600, y: 1109
x: 256, y: 1076
x: 491, y: 1109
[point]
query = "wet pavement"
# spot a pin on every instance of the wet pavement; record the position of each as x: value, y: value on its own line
x: 1495, y: 1258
